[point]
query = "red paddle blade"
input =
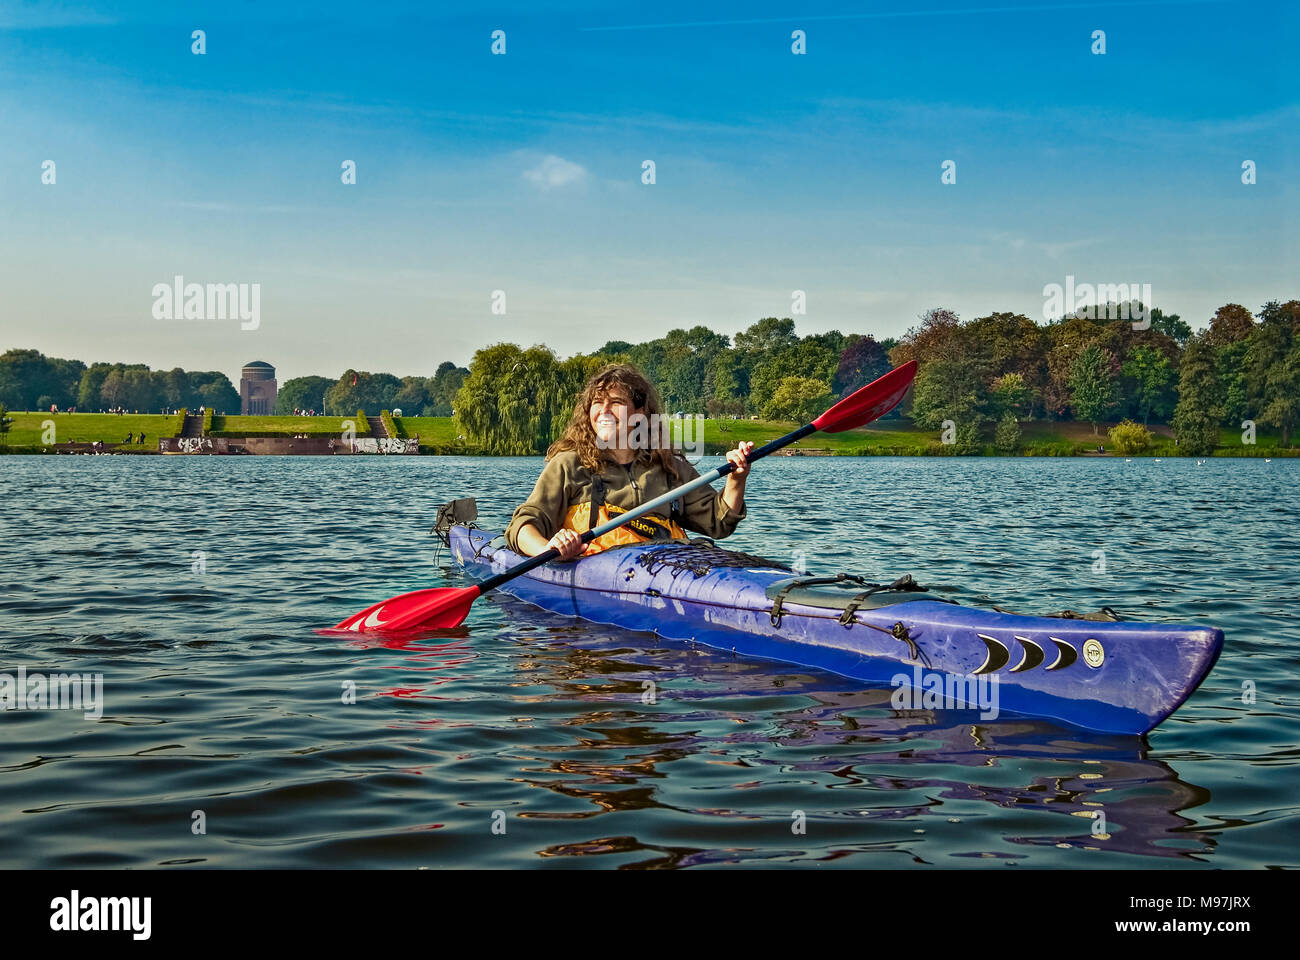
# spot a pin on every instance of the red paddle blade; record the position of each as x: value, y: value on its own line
x: 433, y: 609
x: 869, y: 403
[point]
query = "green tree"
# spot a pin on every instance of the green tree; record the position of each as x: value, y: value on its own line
x: 1200, y: 405
x: 682, y: 370
x: 302, y: 393
x: 1011, y: 343
x: 212, y: 390
x: 934, y: 336
x: 1231, y: 323
x: 1129, y: 437
x: 26, y: 376
x: 1283, y: 408
x: 722, y: 385
x: 1271, y: 367
x: 412, y: 397
x: 764, y: 338
x: 1153, y: 378
x: 571, y: 376
x: 1006, y: 439
x: 1009, y: 395
x: 141, y: 393
x: 360, y: 390
x: 832, y: 340
x: 173, y: 387
x: 447, y: 380
x: 1066, y: 339
x: 514, y: 401
x: 113, y: 393
x: 1092, y: 384
x: 861, y: 361
x: 650, y: 358
x: 756, y: 345
x: 949, y: 388
x: 798, y: 398
x: 1230, y: 364
x: 954, y: 373
x: 808, y: 358
x: 1170, y: 325
x: 90, y: 392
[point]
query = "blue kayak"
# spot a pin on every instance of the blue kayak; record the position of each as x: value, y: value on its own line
x: 1100, y: 674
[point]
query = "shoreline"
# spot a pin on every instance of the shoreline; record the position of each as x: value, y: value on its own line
x: 1266, y: 453
x: 39, y: 434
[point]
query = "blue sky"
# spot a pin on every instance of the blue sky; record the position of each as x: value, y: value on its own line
x: 522, y: 172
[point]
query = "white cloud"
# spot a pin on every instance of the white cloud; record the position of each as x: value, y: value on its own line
x: 555, y: 171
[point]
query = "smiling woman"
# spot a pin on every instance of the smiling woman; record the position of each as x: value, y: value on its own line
x: 612, y: 458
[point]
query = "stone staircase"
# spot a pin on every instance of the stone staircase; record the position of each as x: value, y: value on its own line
x: 377, y: 428
x: 193, y: 426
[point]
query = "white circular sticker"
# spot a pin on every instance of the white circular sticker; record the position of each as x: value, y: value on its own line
x: 1093, y: 654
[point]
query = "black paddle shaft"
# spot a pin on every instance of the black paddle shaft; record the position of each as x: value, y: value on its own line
x: 532, y: 563
x: 761, y: 452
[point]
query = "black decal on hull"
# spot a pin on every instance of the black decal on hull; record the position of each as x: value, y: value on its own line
x: 1065, y: 654
x: 1034, y: 655
x: 998, y: 655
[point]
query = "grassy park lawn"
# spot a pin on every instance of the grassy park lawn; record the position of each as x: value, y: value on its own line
x: 442, y: 431
x: 439, y: 431
x: 284, y: 426
x: 887, y: 435
x: 27, y: 429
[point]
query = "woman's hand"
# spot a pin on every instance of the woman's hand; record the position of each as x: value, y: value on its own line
x: 568, y: 543
x: 737, y: 457
x: 733, y: 493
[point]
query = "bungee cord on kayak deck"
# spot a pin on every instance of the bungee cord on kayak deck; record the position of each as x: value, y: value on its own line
x: 700, y: 556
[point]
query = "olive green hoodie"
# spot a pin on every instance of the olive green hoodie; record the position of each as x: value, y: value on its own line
x: 565, y: 482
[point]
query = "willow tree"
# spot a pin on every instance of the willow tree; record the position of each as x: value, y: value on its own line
x: 516, y: 402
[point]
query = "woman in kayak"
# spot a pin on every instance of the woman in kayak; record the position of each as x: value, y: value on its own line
x: 613, y: 457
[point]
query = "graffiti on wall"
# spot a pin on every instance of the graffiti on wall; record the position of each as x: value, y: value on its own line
x: 385, y: 445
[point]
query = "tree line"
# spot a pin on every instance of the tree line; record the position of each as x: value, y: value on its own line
x: 358, y: 390
x: 987, y: 374
x: 29, y: 380
x: 1003, y: 368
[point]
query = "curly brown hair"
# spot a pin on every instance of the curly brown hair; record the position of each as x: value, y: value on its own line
x: 581, y: 438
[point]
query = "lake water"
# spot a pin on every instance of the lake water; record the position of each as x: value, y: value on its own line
x: 195, y: 585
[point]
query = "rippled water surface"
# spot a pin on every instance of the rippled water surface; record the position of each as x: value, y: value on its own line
x: 195, y: 585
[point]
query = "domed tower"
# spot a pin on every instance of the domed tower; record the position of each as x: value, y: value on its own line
x: 257, y: 389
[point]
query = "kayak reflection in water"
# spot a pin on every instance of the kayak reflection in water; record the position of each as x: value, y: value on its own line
x: 615, y: 454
